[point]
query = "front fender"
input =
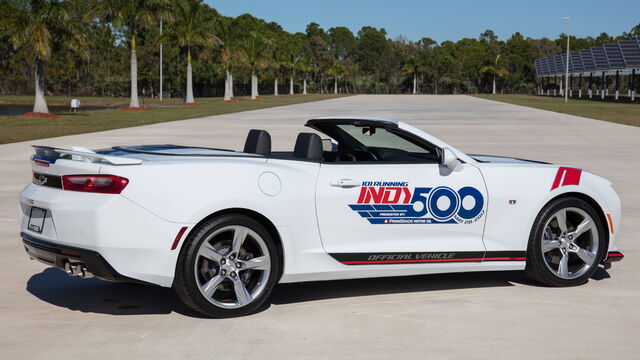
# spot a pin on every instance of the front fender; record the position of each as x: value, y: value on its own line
x: 517, y: 194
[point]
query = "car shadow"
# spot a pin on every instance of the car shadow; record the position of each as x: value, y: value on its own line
x: 97, y: 296
x: 321, y: 290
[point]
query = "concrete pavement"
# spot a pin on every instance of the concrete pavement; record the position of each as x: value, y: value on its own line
x: 45, y: 314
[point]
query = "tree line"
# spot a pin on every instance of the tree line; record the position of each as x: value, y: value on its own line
x: 111, y: 48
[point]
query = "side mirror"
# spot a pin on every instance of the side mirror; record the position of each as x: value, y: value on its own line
x: 450, y: 160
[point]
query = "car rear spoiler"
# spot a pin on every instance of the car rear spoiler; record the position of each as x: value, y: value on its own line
x: 51, y: 154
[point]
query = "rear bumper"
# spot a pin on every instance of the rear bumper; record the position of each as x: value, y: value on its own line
x: 612, y: 256
x: 59, y: 255
x: 131, y: 239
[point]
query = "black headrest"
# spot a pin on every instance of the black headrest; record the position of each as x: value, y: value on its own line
x: 308, y: 146
x: 258, y: 142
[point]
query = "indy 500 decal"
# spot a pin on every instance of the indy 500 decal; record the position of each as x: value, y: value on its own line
x: 395, y: 203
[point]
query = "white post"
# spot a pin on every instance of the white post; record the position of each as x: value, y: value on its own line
x: 161, y: 61
x: 566, y: 83
x: 561, y: 88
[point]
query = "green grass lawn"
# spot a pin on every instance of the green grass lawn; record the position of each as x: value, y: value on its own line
x: 13, y: 129
x: 628, y: 114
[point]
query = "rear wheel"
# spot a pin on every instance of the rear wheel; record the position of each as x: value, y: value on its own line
x: 228, y: 267
x: 566, y: 243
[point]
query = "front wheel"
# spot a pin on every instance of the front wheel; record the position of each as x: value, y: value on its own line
x: 228, y: 267
x: 566, y: 243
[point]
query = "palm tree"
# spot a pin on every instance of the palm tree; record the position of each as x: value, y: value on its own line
x: 190, y: 29
x: 133, y: 16
x: 232, y: 54
x: 37, y: 23
x: 305, y: 67
x: 495, y: 70
x: 274, y: 63
x: 413, y: 68
x: 256, y: 50
x: 336, y: 70
x: 291, y: 64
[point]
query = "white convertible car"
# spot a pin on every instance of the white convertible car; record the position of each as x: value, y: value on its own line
x: 375, y: 198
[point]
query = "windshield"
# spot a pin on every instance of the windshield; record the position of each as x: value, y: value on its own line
x: 380, y: 137
x: 375, y: 143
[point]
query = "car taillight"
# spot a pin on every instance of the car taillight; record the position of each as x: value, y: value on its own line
x: 105, y: 184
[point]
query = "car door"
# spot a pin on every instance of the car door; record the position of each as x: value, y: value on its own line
x: 384, y: 212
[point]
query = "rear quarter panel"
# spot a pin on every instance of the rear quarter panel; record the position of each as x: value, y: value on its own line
x: 189, y: 191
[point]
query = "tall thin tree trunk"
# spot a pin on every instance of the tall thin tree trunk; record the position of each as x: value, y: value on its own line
x: 275, y: 87
x: 254, y: 86
x: 494, y: 84
x: 231, y: 85
x: 40, y: 104
x: 335, y: 85
x: 189, y: 99
x: 291, y: 84
x: 227, y: 93
x: 415, y: 83
x: 304, y: 86
x: 133, y: 103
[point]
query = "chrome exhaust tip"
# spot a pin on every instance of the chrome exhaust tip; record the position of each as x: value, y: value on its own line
x: 84, y: 272
x: 79, y: 270
x: 68, y: 268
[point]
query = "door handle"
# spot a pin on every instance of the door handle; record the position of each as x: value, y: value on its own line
x: 344, y: 183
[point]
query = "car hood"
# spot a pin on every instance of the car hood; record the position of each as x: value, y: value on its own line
x: 504, y: 160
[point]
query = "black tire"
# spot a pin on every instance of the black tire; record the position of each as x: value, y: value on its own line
x: 536, y: 267
x: 186, y: 284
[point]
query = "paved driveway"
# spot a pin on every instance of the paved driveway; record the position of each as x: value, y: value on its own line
x: 45, y: 314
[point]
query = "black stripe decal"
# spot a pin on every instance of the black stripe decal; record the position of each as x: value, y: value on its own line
x: 427, y: 257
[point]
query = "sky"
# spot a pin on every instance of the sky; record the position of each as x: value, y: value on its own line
x: 446, y: 19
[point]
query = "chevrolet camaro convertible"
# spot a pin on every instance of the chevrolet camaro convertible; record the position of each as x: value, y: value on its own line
x: 375, y: 198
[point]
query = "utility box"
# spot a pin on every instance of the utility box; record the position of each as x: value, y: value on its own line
x: 75, y: 104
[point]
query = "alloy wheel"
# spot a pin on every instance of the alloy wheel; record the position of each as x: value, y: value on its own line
x: 232, y: 266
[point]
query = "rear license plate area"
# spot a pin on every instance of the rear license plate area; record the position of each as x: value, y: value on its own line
x: 36, y: 219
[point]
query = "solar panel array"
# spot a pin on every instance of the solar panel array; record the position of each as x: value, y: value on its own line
x: 600, y: 58
x: 576, y: 61
x: 587, y: 60
x: 624, y: 54
x: 631, y: 51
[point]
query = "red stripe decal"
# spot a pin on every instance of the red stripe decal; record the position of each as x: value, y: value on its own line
x: 505, y: 259
x: 178, y: 237
x: 433, y: 260
x: 566, y: 176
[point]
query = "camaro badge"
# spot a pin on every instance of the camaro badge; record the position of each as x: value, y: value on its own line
x: 396, y: 203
